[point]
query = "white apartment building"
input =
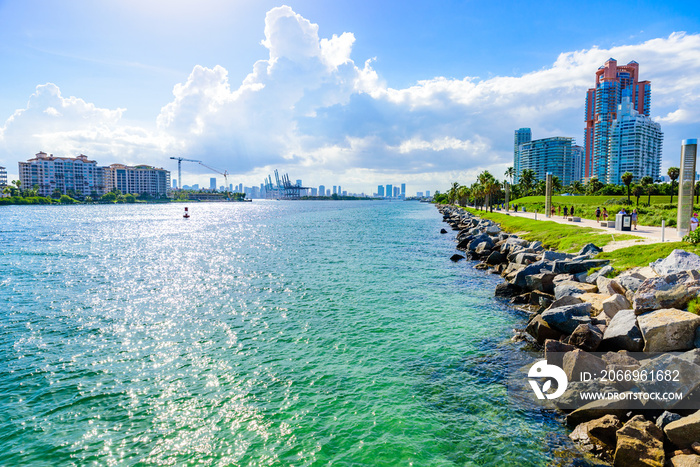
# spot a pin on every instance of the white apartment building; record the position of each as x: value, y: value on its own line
x: 63, y: 173
x: 138, y: 179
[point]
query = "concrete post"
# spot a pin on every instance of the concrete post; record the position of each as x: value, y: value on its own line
x: 686, y: 185
x: 548, y: 196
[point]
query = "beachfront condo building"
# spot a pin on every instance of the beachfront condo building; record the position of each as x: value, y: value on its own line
x: 3, y: 176
x: 635, y: 145
x: 522, y: 135
x: 578, y: 162
x: 321, y: 190
x: 140, y: 179
x: 380, y: 191
x: 548, y: 155
x: 612, y: 84
x: 49, y: 173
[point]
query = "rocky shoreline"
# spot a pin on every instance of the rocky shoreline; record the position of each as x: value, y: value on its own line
x: 587, y: 320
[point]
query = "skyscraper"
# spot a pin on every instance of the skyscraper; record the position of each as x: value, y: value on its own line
x: 212, y: 184
x: 403, y: 190
x: 389, y: 191
x: 548, y: 155
x: 523, y: 135
x: 321, y: 190
x: 612, y: 83
x: 380, y: 191
x: 635, y: 145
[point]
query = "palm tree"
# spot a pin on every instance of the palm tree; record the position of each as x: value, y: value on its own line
x: 556, y: 184
x: 594, y: 185
x: 452, y: 193
x: 540, y: 188
x: 485, y: 179
x: 463, y: 195
x: 648, y: 184
x: 627, y: 178
x: 510, y: 173
x: 527, y: 180
x: 673, y: 174
x: 637, y: 191
x: 577, y: 187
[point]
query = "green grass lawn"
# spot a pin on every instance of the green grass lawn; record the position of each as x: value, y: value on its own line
x: 585, y: 206
x: 642, y: 255
x: 562, y: 237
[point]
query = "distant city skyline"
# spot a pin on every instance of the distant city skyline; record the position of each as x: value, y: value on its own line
x: 328, y: 91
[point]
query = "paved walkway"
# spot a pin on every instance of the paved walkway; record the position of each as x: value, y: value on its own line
x: 648, y: 234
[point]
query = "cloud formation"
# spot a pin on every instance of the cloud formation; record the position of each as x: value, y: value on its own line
x: 310, y: 109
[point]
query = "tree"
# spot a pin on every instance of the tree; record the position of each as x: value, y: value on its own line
x: 593, y: 186
x: 452, y: 193
x: 556, y: 184
x: 527, y: 180
x: 673, y: 173
x: 637, y: 191
x: 463, y: 195
x: 129, y: 198
x: 65, y: 199
x: 541, y: 188
x: 648, y: 184
x: 627, y: 178
x: 110, y: 197
x: 510, y: 173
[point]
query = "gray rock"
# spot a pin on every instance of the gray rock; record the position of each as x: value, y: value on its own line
x: 666, y: 418
x: 515, y: 251
x: 544, y: 282
x: 623, y: 333
x: 684, y: 432
x: 526, y: 258
x: 631, y: 281
x: 586, y: 337
x: 581, y: 276
x: 609, y: 286
x: 456, y: 257
x: 600, y: 272
x: 684, y: 460
x: 574, y: 267
x: 565, y: 301
x: 578, y: 361
x: 496, y: 257
x: 685, y: 375
x: 492, y: 230
x: 520, y: 278
x: 537, y: 246
x: 563, y: 277
x: 551, y: 255
x: 668, y: 330
x: 565, y: 319
x: 554, y: 352
x: 676, y: 261
x: 692, y: 356
x: 480, y: 239
x: 590, y: 249
x: 541, y: 331
x: 614, y: 304
x: 443, y: 231
x: 507, y: 290
x: 483, y: 248
x: 598, y: 437
x: 562, y: 289
x: 598, y: 409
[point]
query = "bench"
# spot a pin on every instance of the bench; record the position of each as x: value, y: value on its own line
x: 609, y: 224
x: 574, y: 219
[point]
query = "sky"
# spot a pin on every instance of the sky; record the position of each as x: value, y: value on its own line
x: 351, y: 93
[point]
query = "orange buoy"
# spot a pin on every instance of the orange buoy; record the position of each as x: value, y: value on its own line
x: 187, y: 214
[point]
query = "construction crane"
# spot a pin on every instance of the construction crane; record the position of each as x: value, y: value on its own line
x: 179, y: 170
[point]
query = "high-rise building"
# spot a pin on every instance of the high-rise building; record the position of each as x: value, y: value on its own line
x: 577, y: 161
x: 321, y: 190
x: 3, y: 176
x: 403, y: 190
x: 397, y: 191
x: 298, y: 182
x: 212, y: 184
x: 427, y: 194
x: 522, y: 135
x: 314, y: 192
x: 50, y: 173
x: 339, y: 190
x: 140, y: 179
x: 328, y: 191
x: 335, y: 189
x: 612, y: 83
x: 389, y: 191
x: 635, y: 145
x: 380, y: 191
x: 548, y: 155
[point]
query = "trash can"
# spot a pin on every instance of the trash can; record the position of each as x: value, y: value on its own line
x: 623, y: 222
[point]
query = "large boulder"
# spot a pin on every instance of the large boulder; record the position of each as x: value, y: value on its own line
x: 526, y: 258
x: 609, y: 286
x: 604, y: 271
x: 684, y: 432
x: 670, y: 291
x: 639, y: 443
x: 586, y: 337
x: 578, y: 361
x: 541, y: 331
x: 544, y: 282
x: 692, y: 356
x: 564, y: 288
x: 480, y: 239
x: 676, y: 261
x: 631, y: 281
x: 551, y: 255
x: 685, y: 460
x: 596, y: 300
x: 668, y: 330
x: 615, y: 303
x: 520, y: 278
x: 554, y: 352
x: 484, y: 248
x: 566, y: 300
x: 496, y: 257
x: 456, y: 257
x: 566, y: 318
x: 507, y: 290
x: 492, y: 230
x: 590, y: 249
x: 683, y: 378
x: 598, y: 437
x: 623, y: 333
x: 576, y: 266
x: 666, y: 418
x: 598, y: 408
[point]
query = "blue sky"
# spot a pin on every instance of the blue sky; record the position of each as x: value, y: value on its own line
x: 344, y: 92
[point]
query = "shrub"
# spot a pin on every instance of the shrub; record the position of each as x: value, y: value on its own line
x: 692, y: 237
x: 694, y: 306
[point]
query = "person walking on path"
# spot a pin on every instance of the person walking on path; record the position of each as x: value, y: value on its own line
x: 605, y: 214
x: 634, y: 219
x: 597, y: 215
x: 572, y: 211
x: 694, y: 222
x: 554, y: 210
x: 566, y: 211
x: 559, y: 210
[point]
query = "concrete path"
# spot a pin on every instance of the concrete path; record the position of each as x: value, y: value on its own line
x: 648, y: 234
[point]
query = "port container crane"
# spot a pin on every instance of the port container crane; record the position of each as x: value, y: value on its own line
x: 179, y: 170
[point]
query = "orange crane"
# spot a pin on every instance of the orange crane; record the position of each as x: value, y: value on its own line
x: 179, y: 170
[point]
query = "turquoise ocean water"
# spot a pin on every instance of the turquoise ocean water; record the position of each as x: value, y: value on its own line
x: 265, y: 333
